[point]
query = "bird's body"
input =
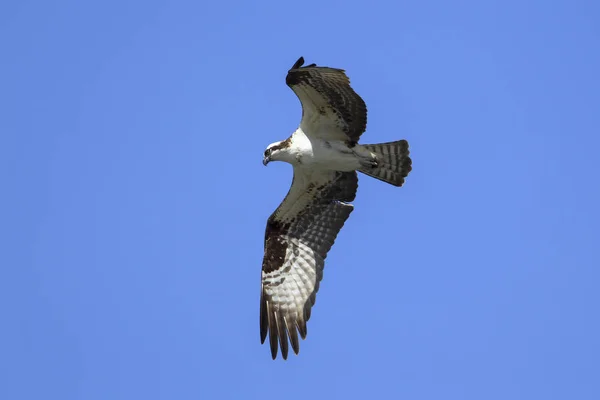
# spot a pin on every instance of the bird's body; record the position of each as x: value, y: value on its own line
x: 325, y: 154
x: 311, y: 152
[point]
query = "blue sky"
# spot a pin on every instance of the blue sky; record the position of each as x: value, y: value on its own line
x: 135, y: 200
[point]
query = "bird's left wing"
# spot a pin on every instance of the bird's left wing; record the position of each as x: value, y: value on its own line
x: 298, y: 236
x: 331, y: 109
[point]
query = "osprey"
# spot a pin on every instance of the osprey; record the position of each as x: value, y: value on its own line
x: 325, y: 154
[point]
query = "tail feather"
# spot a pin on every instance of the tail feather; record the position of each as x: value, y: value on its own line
x: 393, y: 159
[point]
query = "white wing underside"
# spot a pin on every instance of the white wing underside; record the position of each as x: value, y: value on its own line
x: 318, y: 119
x: 299, y: 236
x: 331, y: 109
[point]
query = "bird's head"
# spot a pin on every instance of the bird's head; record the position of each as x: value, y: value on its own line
x: 275, y: 152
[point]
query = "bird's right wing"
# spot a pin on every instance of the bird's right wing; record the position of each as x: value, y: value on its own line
x: 298, y: 236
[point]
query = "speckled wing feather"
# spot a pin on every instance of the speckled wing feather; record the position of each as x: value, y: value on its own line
x: 298, y: 237
x: 331, y: 109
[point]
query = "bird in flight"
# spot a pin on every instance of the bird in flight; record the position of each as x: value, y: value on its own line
x: 325, y: 154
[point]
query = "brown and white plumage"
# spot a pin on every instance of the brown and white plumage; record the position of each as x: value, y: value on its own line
x: 301, y: 231
x: 331, y: 109
x: 298, y: 236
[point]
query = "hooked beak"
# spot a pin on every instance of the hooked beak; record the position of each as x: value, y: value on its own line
x: 266, y: 160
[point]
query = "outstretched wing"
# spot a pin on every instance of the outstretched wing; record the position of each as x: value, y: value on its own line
x: 331, y: 109
x: 298, y: 236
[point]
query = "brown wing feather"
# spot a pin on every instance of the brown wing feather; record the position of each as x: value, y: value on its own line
x: 330, y: 107
x: 298, y: 236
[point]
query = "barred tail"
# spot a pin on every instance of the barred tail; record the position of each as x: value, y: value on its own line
x: 394, y: 162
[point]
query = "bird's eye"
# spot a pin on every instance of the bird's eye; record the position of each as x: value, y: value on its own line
x: 267, y: 152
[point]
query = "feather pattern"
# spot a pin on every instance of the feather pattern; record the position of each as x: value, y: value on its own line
x: 331, y: 109
x: 298, y: 236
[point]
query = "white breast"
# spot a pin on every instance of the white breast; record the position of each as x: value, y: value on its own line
x: 319, y: 153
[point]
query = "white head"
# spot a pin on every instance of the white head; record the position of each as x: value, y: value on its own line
x: 277, y: 151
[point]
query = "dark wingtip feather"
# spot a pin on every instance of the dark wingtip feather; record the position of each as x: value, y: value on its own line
x: 281, y: 332
x: 264, y: 322
x: 301, y: 328
x: 274, y: 349
x: 298, y: 63
x: 272, y: 332
x: 293, y: 334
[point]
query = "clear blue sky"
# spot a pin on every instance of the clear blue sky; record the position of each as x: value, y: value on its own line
x: 134, y: 200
